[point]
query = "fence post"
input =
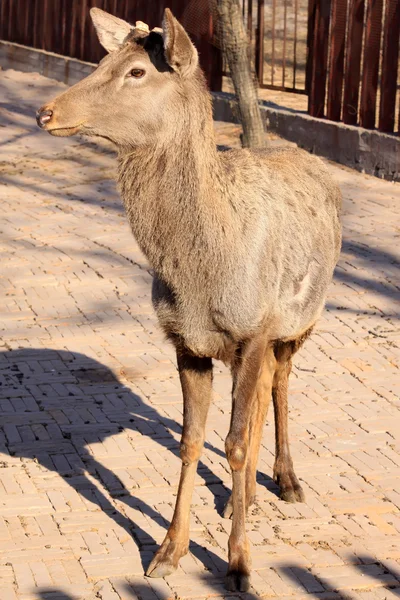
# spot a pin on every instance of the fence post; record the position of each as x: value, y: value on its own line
x: 353, y: 62
x: 336, y: 59
x: 371, y: 64
x: 214, y: 64
x: 312, y: 6
x: 319, y: 65
x: 390, y: 57
x: 260, y: 42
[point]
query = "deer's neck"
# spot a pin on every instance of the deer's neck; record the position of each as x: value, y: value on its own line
x: 170, y: 192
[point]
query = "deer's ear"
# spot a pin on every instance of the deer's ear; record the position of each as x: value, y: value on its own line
x: 180, y: 53
x: 110, y: 30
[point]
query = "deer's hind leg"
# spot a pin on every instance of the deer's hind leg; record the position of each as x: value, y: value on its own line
x: 257, y: 422
x: 196, y: 380
x: 246, y: 371
x: 258, y: 417
x: 284, y: 475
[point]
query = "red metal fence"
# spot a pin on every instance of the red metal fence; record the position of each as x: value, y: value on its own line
x: 343, y: 53
x: 64, y: 26
x: 277, y: 31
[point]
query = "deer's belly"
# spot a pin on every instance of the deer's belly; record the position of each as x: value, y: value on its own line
x: 193, y: 325
x: 197, y: 335
x: 207, y: 328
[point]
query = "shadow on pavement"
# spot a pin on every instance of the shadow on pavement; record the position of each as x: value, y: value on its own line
x: 302, y: 579
x: 56, y: 403
x: 368, y: 567
x: 54, y: 594
x: 383, y: 277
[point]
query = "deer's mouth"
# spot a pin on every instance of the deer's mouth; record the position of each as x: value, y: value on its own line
x: 66, y: 131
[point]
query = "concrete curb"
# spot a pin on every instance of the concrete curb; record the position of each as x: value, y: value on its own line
x: 367, y: 151
x: 62, y: 68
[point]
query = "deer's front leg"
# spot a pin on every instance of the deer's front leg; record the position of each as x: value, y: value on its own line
x: 196, y: 380
x: 246, y: 372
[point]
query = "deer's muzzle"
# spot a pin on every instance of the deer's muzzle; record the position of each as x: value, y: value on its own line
x: 43, y: 117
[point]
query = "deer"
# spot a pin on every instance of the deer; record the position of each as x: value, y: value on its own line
x: 243, y: 245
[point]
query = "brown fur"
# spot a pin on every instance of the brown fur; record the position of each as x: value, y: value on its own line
x: 243, y: 245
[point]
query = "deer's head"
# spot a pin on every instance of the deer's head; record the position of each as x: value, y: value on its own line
x: 134, y: 95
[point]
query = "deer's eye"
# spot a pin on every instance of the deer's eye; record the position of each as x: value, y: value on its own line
x: 137, y: 73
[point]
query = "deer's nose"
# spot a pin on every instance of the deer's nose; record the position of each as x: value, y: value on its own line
x: 43, y: 117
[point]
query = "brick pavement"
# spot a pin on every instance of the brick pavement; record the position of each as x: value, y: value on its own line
x: 91, y: 406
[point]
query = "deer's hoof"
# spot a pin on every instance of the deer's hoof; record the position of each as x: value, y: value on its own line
x: 228, y: 509
x: 227, y: 513
x: 293, y: 495
x: 290, y: 488
x: 160, y: 569
x: 166, y: 559
x: 237, y: 581
x: 238, y: 575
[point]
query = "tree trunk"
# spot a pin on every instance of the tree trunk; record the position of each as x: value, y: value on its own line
x: 236, y: 49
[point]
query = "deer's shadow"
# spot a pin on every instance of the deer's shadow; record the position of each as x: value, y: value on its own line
x: 56, y: 403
